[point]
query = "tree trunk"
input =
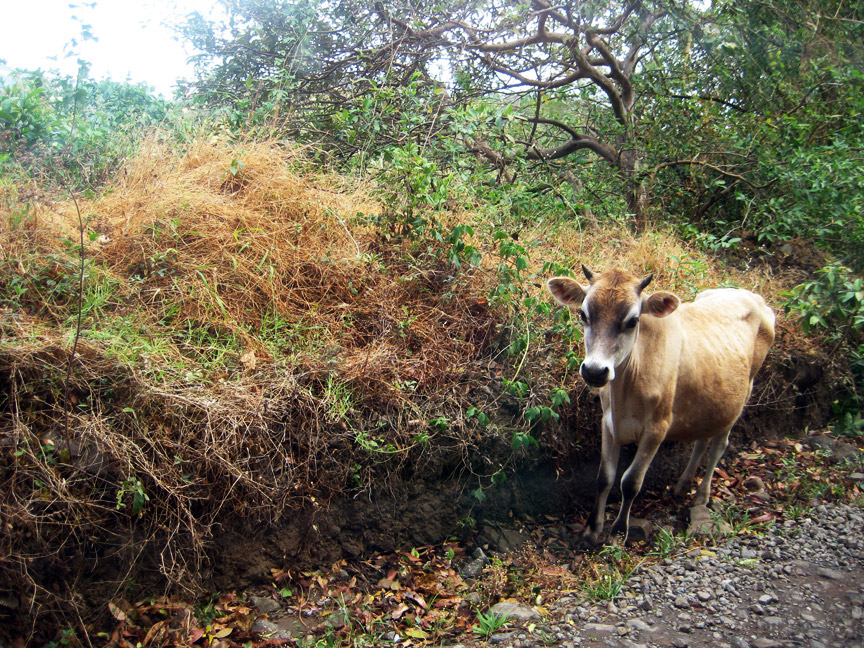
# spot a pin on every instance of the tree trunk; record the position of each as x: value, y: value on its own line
x: 635, y: 188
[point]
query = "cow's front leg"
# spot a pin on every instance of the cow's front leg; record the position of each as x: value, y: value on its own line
x: 631, y: 482
x: 605, y: 478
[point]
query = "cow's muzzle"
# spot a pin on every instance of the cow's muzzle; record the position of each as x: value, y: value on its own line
x: 593, y: 375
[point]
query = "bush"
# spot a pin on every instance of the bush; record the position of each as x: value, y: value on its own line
x: 73, y: 131
x: 833, y: 304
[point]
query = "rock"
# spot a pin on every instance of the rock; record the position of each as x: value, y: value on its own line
x: 515, y: 611
x: 704, y: 596
x: 754, y: 484
x: 501, y: 637
x: 764, y: 642
x: 503, y: 539
x: 265, y: 627
x: 271, y: 630
x: 337, y: 619
x: 265, y: 604
x: 640, y: 530
x: 831, y: 574
x: 821, y: 442
x: 638, y: 625
x: 702, y: 523
x: 681, y: 602
x: 474, y: 568
x: 843, y: 451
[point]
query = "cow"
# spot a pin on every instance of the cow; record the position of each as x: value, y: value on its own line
x: 664, y: 370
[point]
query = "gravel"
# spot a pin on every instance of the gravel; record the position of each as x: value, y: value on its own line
x: 799, y: 585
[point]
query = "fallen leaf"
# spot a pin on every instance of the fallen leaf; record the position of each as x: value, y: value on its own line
x: 416, y: 598
x: 767, y: 517
x: 417, y: 633
x: 117, y: 613
x: 452, y: 601
x: 249, y: 360
x: 399, y: 611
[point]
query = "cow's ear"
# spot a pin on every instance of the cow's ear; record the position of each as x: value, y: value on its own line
x: 660, y: 304
x: 566, y: 291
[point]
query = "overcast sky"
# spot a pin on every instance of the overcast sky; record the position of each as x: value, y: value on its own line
x: 134, y: 40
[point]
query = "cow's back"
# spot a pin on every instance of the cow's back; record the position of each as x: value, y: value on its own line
x: 726, y: 334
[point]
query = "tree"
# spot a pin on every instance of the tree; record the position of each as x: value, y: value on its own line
x: 587, y: 52
x: 683, y: 108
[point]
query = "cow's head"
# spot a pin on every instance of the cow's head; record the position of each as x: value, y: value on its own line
x: 610, y: 307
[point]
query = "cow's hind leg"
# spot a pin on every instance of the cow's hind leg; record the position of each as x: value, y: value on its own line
x: 715, y: 450
x: 631, y: 482
x: 687, y: 476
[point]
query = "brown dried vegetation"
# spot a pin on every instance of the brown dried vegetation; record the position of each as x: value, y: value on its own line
x: 242, y: 335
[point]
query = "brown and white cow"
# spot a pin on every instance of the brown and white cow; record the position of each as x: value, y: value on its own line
x: 665, y: 370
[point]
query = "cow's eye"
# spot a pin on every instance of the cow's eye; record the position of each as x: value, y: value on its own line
x: 631, y: 323
x: 583, y: 317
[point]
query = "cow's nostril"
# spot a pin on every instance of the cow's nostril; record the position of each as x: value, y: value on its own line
x: 594, y: 375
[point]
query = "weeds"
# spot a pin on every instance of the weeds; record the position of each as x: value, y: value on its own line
x: 739, y: 520
x: 667, y: 544
x: 489, y: 624
x: 605, y: 583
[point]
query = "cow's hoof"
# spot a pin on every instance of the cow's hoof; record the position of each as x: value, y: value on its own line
x: 588, y: 539
x: 618, y: 534
x: 700, y: 500
x: 619, y: 528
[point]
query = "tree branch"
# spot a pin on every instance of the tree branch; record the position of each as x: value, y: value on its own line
x: 716, y: 169
x: 577, y: 141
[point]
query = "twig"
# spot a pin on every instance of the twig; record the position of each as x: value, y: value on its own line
x: 80, y: 278
x: 347, y: 231
x: 77, y: 329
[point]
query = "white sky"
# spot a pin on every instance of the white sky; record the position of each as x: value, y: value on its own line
x: 133, y: 39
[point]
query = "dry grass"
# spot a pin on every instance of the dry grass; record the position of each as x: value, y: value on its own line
x: 242, y: 332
